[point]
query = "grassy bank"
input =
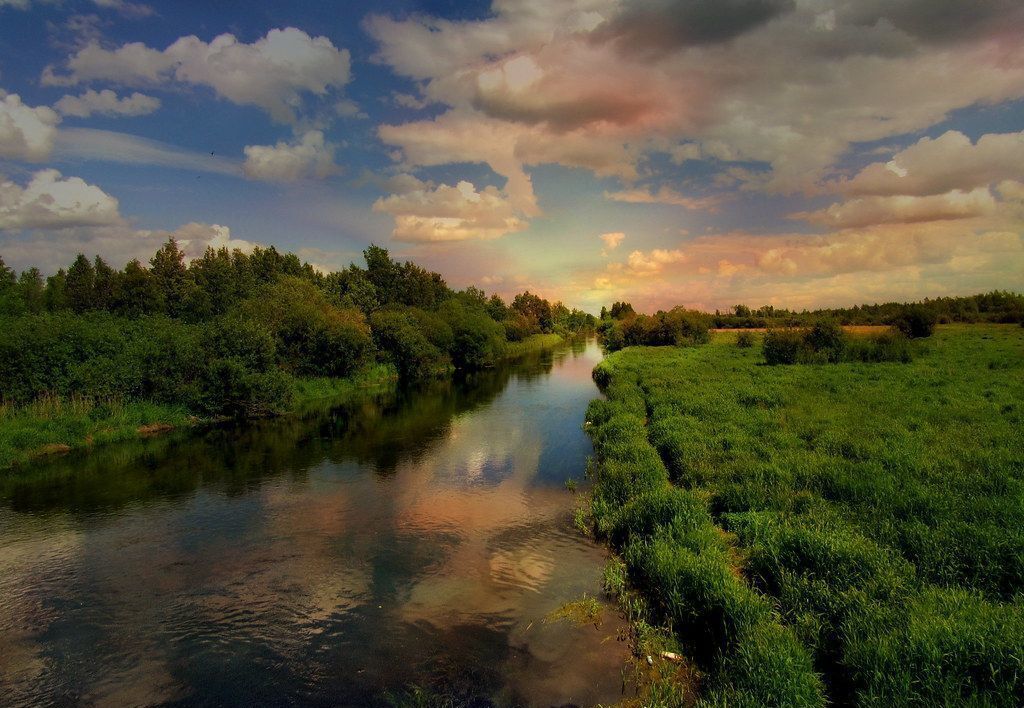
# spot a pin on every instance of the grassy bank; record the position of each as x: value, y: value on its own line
x: 849, y: 533
x: 54, y: 425
x: 533, y: 343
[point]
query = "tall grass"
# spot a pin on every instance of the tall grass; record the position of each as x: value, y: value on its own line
x: 861, y: 522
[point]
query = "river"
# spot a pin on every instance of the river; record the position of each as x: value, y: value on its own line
x: 410, y: 544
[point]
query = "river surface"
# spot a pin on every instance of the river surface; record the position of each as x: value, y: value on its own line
x: 406, y: 545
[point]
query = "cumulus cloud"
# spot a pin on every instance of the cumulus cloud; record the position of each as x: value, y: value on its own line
x: 50, y: 201
x: 272, y: 73
x: 310, y: 157
x: 106, y: 103
x: 117, y: 244
x: 449, y: 213
x: 26, y: 133
x: 936, y: 165
x: 653, y: 28
x: 791, y: 85
x: 864, y: 211
x: 612, y: 240
x: 654, y: 260
x: 877, y: 263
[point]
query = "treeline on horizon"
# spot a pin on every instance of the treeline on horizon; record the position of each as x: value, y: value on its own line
x: 228, y: 333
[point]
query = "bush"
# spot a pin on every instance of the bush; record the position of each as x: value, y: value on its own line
x: 782, y: 346
x: 826, y: 339
x: 745, y: 340
x: 916, y: 322
x: 398, y: 336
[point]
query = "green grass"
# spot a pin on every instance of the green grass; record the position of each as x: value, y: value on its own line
x: 533, y: 343
x: 55, y: 425
x: 848, y: 532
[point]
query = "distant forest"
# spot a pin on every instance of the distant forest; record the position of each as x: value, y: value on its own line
x: 229, y: 332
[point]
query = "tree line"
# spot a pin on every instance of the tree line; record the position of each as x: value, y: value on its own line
x: 227, y: 333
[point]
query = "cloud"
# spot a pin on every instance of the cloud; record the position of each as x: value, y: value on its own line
x: 111, y: 146
x: 877, y: 263
x: 612, y: 240
x: 128, y: 9
x: 49, y: 201
x: 864, y: 211
x: 937, y: 165
x: 106, y: 103
x: 655, y: 260
x: 665, y: 195
x: 26, y: 133
x: 448, y: 213
x: 117, y: 244
x: 311, y: 157
x: 653, y: 28
x: 794, y: 87
x: 272, y: 73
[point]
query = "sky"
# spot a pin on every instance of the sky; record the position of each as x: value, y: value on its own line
x: 798, y: 153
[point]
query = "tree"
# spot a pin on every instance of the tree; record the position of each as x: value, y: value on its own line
x: 55, y: 295
x: 136, y: 292
x: 103, y: 285
x: 534, y: 308
x: 622, y: 311
x: 80, y: 284
x: 32, y: 290
x: 170, y: 274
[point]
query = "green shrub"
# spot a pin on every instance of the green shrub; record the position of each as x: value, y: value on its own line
x: 916, y: 322
x: 782, y: 346
x: 398, y: 336
x: 745, y: 340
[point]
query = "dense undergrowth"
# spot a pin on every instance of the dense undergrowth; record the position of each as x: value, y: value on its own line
x: 848, y: 533
x: 92, y: 353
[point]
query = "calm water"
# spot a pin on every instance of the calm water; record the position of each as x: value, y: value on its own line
x: 414, y: 538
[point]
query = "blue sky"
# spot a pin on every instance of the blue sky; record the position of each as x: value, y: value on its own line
x: 792, y: 152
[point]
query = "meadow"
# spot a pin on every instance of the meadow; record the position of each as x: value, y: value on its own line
x: 848, y: 533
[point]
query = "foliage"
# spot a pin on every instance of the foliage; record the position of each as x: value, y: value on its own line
x: 744, y: 340
x: 677, y: 327
x: 915, y: 322
x: 787, y: 530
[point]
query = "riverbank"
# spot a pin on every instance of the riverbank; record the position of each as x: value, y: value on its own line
x: 805, y: 547
x: 533, y: 343
x: 53, y: 426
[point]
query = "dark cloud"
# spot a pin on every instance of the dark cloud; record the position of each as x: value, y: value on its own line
x: 654, y: 28
x: 567, y: 114
x: 940, y: 20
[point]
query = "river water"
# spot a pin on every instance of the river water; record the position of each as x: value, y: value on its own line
x: 411, y: 544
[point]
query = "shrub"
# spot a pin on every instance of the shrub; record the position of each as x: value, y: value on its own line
x: 916, y: 322
x: 826, y: 339
x: 745, y: 340
x: 398, y: 336
x: 782, y: 346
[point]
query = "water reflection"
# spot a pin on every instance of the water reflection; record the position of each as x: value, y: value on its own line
x: 418, y: 536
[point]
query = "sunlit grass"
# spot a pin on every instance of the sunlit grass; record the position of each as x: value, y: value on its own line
x: 861, y: 522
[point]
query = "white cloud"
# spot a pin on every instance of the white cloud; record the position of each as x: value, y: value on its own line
x: 110, y: 146
x: 450, y: 213
x: 272, y: 73
x: 310, y: 157
x: 106, y: 103
x: 26, y: 133
x: 612, y: 239
x: 128, y: 9
x: 665, y: 195
x: 117, y: 244
x: 865, y: 211
x: 49, y: 201
x: 655, y: 260
x: 937, y: 165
